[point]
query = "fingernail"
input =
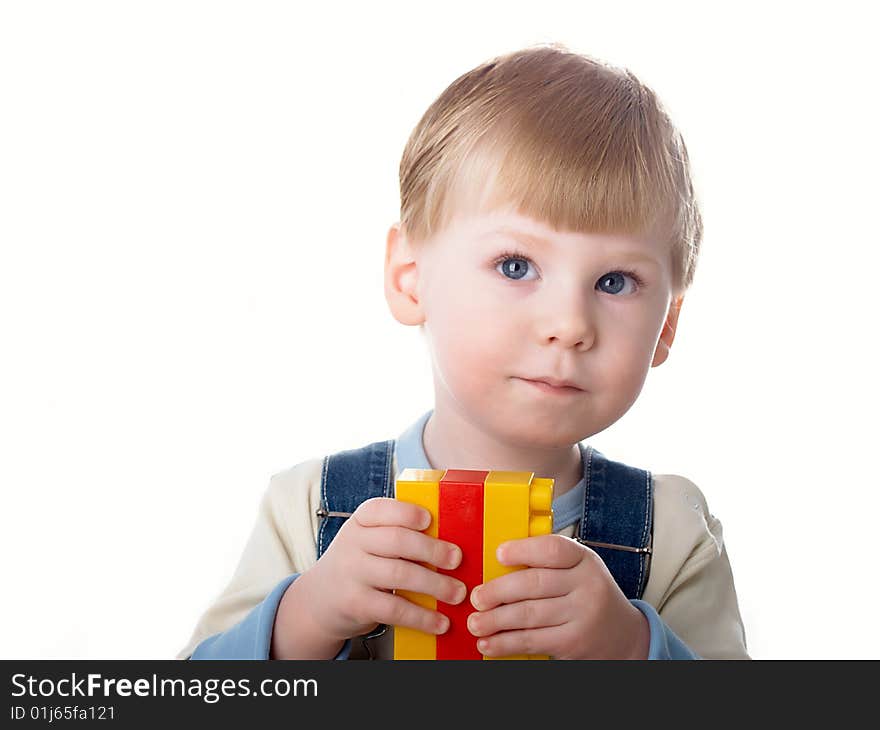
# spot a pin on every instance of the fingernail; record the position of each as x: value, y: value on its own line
x: 460, y: 594
x: 472, y: 623
x: 475, y: 598
x: 454, y: 556
x: 442, y: 625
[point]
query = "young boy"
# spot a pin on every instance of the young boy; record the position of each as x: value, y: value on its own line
x: 548, y: 232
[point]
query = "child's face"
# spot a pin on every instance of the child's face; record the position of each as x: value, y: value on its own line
x: 567, y: 311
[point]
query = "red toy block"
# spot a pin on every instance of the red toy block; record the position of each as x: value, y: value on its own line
x: 460, y: 520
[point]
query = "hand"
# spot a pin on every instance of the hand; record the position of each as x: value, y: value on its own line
x: 565, y: 603
x: 348, y: 592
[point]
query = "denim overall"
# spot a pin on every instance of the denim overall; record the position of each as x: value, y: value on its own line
x: 617, y: 521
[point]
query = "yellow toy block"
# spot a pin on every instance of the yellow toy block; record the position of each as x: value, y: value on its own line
x: 516, y: 505
x: 541, y: 519
x: 421, y: 487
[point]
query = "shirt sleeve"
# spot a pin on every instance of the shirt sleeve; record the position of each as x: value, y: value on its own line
x: 664, y: 642
x: 279, y: 548
x: 251, y: 638
x: 693, y: 591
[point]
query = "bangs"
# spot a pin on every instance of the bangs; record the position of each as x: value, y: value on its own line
x: 603, y: 191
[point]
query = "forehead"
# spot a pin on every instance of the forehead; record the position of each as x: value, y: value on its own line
x: 505, y: 225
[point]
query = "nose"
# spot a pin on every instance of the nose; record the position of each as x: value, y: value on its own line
x: 567, y: 321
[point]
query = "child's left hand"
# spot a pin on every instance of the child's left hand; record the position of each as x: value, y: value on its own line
x: 564, y: 603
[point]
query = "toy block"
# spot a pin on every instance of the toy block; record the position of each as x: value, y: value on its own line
x: 476, y: 510
x: 517, y: 505
x: 421, y: 487
x: 541, y: 517
x: 461, y: 520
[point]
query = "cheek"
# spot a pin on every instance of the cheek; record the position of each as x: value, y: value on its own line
x: 628, y: 363
x: 470, y: 346
x: 469, y: 359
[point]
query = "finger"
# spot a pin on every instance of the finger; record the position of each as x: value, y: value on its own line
x: 402, y: 542
x: 541, y: 551
x: 398, y: 611
x: 521, y: 585
x: 398, y: 574
x: 378, y: 511
x: 546, y: 641
x: 520, y: 615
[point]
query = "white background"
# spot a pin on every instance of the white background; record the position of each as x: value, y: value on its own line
x: 194, y: 198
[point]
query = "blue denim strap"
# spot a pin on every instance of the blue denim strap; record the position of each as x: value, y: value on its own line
x: 349, y: 478
x: 618, y: 518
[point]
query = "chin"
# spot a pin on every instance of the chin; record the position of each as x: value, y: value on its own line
x: 534, y: 430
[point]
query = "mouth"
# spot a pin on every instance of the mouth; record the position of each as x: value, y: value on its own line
x: 553, y: 387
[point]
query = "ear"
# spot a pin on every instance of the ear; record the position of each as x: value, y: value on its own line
x: 401, y: 278
x: 668, y: 333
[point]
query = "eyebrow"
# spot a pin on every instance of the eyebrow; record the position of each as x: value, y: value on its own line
x: 534, y: 239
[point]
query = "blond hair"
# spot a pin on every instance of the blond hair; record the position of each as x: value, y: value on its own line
x: 565, y: 138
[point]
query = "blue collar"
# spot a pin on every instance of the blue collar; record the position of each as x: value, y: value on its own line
x: 410, y: 452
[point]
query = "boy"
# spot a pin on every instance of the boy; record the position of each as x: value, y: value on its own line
x: 548, y: 233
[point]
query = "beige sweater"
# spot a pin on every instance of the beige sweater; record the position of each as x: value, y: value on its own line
x: 690, y: 582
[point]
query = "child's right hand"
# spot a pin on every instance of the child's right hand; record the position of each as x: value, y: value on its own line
x: 348, y: 592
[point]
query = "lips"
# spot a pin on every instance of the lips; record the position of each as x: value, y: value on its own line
x: 553, y: 386
x: 555, y: 382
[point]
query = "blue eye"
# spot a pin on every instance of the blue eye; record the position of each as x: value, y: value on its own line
x: 514, y: 266
x: 618, y: 281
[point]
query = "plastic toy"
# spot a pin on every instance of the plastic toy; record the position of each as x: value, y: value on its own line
x: 476, y: 510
